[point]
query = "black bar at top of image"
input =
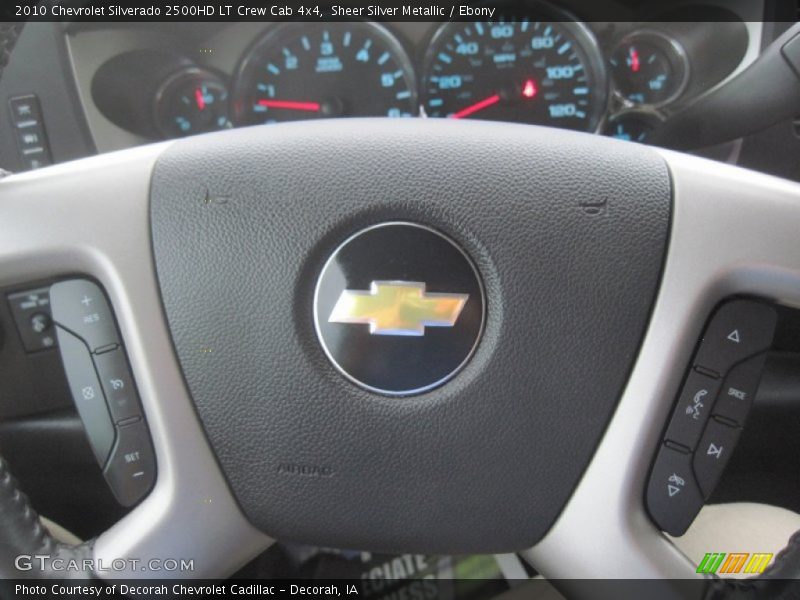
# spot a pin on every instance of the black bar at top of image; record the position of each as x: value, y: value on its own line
x: 378, y: 10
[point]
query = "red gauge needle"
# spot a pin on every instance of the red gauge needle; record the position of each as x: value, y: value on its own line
x: 198, y: 96
x: 635, y: 64
x: 290, y: 105
x: 473, y: 108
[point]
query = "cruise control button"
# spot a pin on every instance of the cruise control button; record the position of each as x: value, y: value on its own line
x: 87, y: 393
x: 739, y: 389
x: 131, y: 469
x: 739, y: 329
x: 693, y: 409
x: 673, y: 498
x: 713, y: 453
x: 80, y: 306
x: 115, y: 377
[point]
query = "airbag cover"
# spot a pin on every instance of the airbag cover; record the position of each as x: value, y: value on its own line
x: 568, y: 232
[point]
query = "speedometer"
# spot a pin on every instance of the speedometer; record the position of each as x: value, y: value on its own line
x: 340, y: 69
x: 544, y: 72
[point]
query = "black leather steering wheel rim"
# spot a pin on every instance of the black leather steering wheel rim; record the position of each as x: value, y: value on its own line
x: 24, y: 535
x: 9, y: 33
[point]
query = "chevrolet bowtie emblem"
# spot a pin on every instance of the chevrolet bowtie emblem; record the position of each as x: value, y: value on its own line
x: 398, y: 308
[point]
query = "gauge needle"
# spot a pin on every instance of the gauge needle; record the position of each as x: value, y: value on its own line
x: 635, y: 64
x: 198, y: 96
x: 290, y: 105
x: 473, y: 108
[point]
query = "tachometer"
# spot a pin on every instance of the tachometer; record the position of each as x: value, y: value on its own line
x: 305, y: 71
x: 543, y: 72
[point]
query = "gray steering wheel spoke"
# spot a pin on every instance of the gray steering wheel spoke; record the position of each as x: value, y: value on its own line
x: 91, y: 218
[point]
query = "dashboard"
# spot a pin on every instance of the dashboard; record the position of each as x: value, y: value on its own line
x: 160, y: 81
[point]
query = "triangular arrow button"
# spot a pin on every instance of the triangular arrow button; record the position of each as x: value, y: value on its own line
x: 714, y: 450
x: 673, y: 490
x: 734, y: 336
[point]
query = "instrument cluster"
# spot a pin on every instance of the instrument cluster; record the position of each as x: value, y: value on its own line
x: 548, y: 69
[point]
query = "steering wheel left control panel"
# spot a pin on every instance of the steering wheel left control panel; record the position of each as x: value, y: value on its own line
x: 102, y: 387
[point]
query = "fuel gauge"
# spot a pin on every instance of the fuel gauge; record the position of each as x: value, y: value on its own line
x: 191, y: 101
x: 649, y: 69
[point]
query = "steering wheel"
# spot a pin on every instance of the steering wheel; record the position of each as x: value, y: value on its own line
x: 595, y: 266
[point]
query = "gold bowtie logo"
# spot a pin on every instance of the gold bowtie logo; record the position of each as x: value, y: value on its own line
x: 398, y: 308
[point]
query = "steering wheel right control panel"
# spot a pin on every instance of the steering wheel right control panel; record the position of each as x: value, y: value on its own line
x: 710, y: 411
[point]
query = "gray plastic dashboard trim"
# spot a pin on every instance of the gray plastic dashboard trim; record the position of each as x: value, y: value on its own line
x: 92, y: 217
x: 734, y: 232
